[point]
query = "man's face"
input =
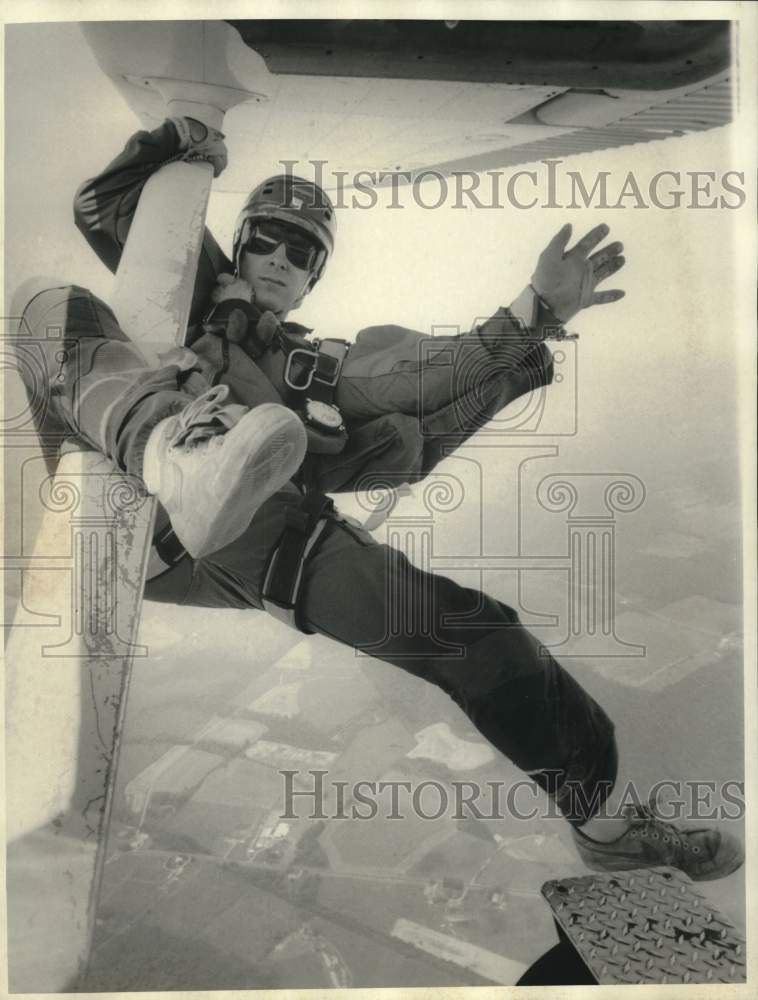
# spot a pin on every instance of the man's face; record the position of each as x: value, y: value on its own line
x: 278, y: 284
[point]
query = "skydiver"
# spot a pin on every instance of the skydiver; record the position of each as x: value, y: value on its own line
x: 242, y: 431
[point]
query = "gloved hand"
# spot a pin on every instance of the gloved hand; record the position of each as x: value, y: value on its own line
x: 566, y: 281
x: 241, y: 324
x: 229, y: 286
x: 199, y: 141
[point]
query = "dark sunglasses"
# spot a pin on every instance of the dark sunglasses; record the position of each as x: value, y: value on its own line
x: 301, y: 252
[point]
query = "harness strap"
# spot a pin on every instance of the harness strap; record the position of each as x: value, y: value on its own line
x: 304, y: 527
x: 331, y: 356
x: 165, y: 552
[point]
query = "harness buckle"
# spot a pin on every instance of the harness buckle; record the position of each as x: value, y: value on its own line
x: 325, y: 368
x: 313, y: 358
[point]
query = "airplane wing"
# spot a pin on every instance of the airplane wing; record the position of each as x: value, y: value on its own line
x: 403, y: 97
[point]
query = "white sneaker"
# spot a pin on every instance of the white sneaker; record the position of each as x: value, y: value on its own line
x: 213, y: 465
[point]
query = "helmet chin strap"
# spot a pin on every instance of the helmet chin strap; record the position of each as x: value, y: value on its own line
x: 307, y: 288
x: 244, y: 236
x: 310, y: 282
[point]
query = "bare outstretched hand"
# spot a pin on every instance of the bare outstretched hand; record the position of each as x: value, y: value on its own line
x: 566, y: 280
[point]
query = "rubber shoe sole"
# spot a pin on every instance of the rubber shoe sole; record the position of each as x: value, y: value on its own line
x: 229, y: 477
x: 261, y: 454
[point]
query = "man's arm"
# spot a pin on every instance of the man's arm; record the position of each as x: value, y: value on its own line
x: 515, y: 336
x: 104, y: 205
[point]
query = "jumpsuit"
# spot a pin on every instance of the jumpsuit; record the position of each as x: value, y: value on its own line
x: 107, y: 395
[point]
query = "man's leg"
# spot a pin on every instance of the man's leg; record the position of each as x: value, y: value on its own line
x: 210, y: 463
x: 370, y: 597
x: 528, y: 707
x: 97, y: 378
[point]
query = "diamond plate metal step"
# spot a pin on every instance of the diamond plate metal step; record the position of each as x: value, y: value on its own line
x: 646, y: 926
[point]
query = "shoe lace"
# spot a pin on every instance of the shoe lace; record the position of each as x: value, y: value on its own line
x: 204, y: 418
x: 647, y: 823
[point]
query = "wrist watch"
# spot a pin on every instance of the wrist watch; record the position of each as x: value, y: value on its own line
x: 542, y: 319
